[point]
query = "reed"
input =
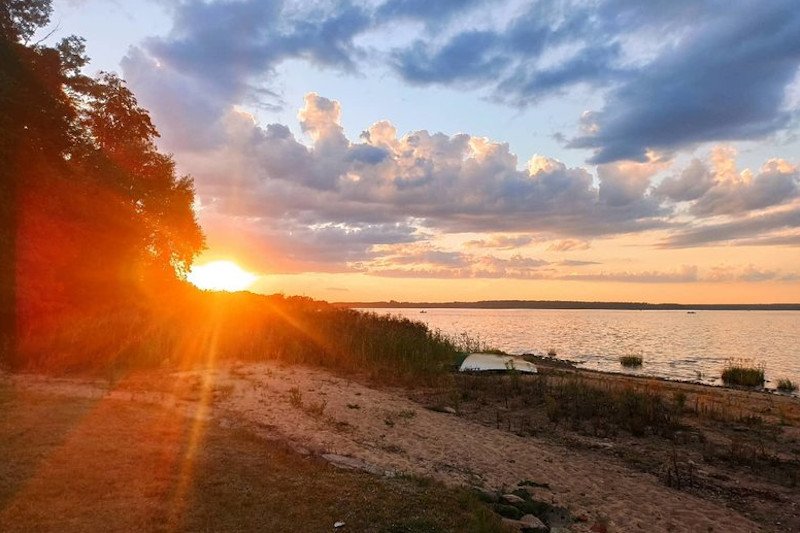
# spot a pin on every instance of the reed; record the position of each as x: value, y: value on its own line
x: 201, y: 328
x: 743, y: 373
x: 631, y: 360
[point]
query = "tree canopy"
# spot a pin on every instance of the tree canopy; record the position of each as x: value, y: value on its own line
x: 92, y: 213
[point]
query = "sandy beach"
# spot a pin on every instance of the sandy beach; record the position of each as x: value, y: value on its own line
x: 387, y: 433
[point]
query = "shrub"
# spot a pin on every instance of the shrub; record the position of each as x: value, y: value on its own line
x: 743, y: 373
x: 631, y: 360
x: 786, y: 385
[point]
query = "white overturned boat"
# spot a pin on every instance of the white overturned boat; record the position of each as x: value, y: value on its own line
x: 489, y: 362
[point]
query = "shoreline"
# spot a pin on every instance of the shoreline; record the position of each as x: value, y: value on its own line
x: 566, y: 364
x: 570, y: 305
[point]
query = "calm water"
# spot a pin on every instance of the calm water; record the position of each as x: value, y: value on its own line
x: 675, y: 344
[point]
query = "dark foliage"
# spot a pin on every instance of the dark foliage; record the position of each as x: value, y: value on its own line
x: 91, y: 212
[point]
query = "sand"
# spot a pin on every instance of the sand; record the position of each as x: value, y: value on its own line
x: 384, y: 432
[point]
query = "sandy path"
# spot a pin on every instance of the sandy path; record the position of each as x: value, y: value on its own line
x: 391, y: 434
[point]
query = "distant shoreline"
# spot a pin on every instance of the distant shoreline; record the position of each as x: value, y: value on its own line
x: 567, y: 304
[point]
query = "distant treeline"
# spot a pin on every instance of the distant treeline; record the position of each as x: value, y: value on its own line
x: 568, y: 304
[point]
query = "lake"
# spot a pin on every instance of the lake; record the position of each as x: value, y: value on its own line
x: 674, y: 344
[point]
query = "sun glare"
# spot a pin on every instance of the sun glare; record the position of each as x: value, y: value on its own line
x: 221, y: 276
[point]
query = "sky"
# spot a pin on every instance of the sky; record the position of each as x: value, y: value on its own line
x: 477, y: 149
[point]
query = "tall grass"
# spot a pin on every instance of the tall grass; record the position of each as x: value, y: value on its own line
x: 743, y: 373
x: 629, y: 361
x: 200, y: 328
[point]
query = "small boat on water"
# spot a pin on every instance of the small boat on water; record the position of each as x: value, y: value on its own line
x: 691, y: 313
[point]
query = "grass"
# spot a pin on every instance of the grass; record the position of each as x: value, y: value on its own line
x: 786, y: 385
x: 743, y: 373
x: 571, y: 400
x: 197, y: 328
x: 146, y: 469
x: 631, y: 360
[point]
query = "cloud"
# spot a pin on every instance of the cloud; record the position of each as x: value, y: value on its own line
x: 724, y: 232
x: 718, y: 188
x: 568, y: 245
x: 577, y: 263
x: 674, y: 74
x: 425, y: 261
x: 691, y: 274
x: 723, y: 79
x: 685, y: 274
x: 670, y: 75
x: 501, y: 242
x: 692, y: 183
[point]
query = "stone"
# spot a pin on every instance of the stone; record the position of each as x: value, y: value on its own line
x: 337, y: 525
x: 513, y: 499
x: 486, y: 495
x: 449, y: 410
x: 533, y: 524
x: 508, y: 511
x: 512, y: 524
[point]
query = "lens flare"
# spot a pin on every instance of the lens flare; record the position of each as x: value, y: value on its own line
x: 221, y: 276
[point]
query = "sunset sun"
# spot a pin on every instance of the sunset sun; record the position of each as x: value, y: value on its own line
x: 221, y: 276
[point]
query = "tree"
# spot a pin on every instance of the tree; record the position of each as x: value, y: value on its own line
x: 91, y: 212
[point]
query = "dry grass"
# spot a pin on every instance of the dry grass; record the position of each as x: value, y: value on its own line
x: 103, y: 465
x: 741, y: 447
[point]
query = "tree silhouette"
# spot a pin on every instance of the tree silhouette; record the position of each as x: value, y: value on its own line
x: 92, y: 214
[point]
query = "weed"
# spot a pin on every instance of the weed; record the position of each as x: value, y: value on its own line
x: 316, y: 409
x: 295, y: 397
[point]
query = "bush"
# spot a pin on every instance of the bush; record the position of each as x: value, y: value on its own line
x: 631, y: 360
x: 743, y: 373
x: 786, y: 385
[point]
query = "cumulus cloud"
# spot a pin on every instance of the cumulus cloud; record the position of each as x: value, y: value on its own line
x: 718, y: 188
x: 325, y: 202
x: 673, y: 74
